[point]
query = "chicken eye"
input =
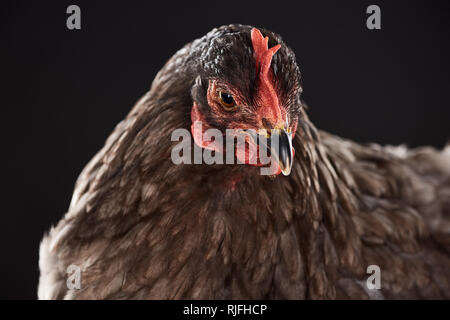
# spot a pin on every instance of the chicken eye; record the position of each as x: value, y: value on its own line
x: 227, y: 101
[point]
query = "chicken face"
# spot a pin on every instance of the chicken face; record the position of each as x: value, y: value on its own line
x: 249, y: 84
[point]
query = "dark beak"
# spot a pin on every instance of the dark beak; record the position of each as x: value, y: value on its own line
x: 280, y: 145
x: 283, y: 154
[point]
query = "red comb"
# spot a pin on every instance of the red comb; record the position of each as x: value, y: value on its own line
x: 268, y: 99
x: 261, y: 52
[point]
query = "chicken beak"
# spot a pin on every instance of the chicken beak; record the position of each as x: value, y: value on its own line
x: 282, y: 153
x: 279, y: 142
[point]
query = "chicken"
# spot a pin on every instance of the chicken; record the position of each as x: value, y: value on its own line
x: 141, y: 227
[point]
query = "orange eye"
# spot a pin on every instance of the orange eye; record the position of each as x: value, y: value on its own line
x: 227, y: 101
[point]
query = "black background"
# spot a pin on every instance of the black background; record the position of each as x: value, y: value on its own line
x: 64, y: 91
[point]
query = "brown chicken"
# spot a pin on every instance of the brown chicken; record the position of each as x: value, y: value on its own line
x: 141, y: 227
